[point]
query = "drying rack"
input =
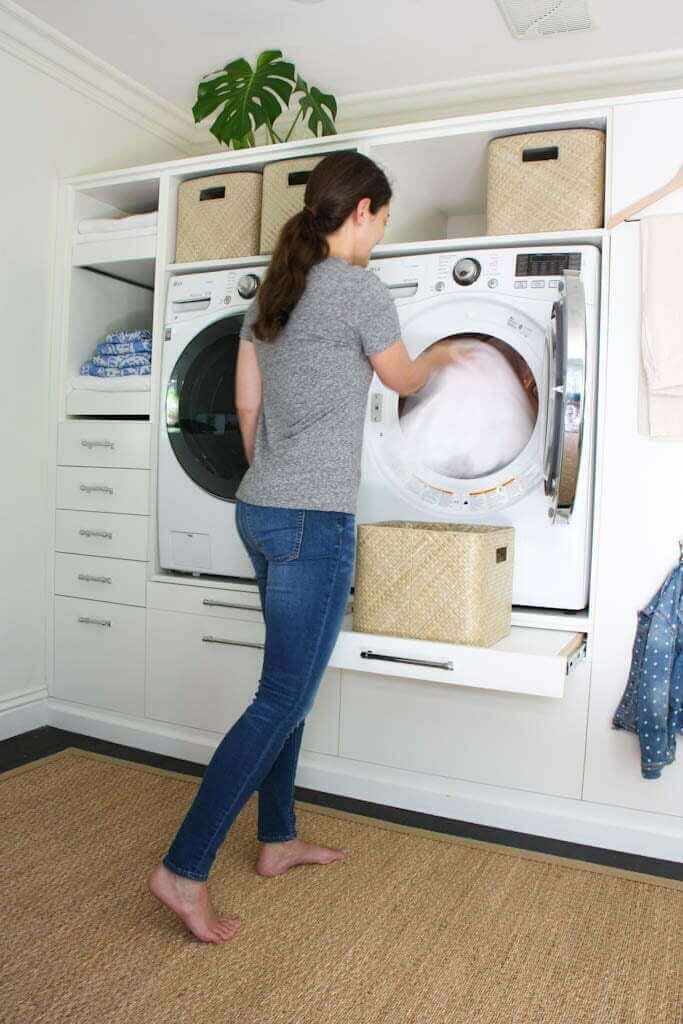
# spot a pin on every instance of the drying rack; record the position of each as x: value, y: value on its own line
x: 652, y: 197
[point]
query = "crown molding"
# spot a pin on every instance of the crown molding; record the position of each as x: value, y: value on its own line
x: 613, y: 77
x: 27, y: 38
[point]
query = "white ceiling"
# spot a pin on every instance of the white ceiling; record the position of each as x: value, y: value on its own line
x: 345, y: 47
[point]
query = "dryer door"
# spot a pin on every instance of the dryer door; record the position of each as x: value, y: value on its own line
x: 201, y: 419
x: 566, y: 380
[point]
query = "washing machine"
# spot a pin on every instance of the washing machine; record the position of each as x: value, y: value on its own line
x: 539, y: 308
x: 201, y: 455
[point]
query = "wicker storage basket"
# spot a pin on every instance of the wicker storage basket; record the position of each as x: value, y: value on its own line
x: 284, y: 184
x: 219, y: 216
x: 434, y: 581
x: 546, y: 181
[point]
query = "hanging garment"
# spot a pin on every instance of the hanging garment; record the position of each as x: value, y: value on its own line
x: 660, y: 405
x: 652, y: 704
x: 472, y: 417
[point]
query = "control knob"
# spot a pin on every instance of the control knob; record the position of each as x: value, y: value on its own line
x: 247, y: 286
x: 466, y: 270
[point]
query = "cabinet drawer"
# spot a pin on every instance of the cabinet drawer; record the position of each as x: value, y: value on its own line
x: 528, y: 661
x: 102, y: 533
x: 203, y: 673
x: 485, y: 736
x: 104, y: 443
x: 101, y: 579
x: 99, y: 656
x: 103, y: 490
x: 224, y: 603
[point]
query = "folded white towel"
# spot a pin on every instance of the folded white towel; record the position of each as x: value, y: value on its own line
x: 133, y: 382
x: 100, y: 225
x: 661, y: 383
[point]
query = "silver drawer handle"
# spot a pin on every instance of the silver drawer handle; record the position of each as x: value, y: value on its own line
x: 233, y: 643
x: 89, y: 488
x: 93, y: 579
x: 95, y: 533
x: 448, y: 665
x: 225, y: 604
x: 97, y: 444
x: 95, y: 622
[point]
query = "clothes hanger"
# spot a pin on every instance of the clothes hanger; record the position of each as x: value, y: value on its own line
x: 628, y: 211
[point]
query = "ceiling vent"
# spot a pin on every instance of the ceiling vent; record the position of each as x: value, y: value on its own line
x: 531, y: 19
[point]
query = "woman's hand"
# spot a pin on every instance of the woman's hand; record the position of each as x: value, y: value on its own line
x: 449, y: 351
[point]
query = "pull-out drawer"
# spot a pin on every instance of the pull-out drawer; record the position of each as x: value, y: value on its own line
x: 102, y: 533
x: 121, y: 443
x: 204, y: 672
x: 103, y: 490
x: 101, y: 579
x: 531, y: 661
x: 100, y: 654
x: 219, y: 601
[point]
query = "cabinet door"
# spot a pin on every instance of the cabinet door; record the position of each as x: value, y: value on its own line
x: 100, y: 654
x: 103, y: 490
x: 203, y: 672
x: 639, y: 519
x: 646, y: 152
x: 104, y: 443
x: 486, y: 736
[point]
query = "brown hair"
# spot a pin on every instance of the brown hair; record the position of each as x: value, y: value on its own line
x: 334, y: 189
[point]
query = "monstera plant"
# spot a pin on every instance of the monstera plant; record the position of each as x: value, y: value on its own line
x: 252, y: 98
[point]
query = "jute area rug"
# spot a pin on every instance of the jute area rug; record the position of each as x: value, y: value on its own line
x: 413, y: 926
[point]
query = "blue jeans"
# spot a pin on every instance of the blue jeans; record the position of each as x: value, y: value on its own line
x: 304, y: 560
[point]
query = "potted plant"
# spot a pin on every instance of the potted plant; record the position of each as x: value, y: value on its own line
x: 252, y: 98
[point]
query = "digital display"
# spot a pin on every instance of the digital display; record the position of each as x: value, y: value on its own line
x: 546, y: 264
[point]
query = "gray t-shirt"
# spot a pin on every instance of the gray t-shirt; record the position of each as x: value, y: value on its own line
x: 315, y: 378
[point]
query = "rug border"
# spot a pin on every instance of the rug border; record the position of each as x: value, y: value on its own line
x: 495, y: 848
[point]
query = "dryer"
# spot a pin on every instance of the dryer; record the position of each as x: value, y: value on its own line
x: 201, y: 455
x: 540, y: 308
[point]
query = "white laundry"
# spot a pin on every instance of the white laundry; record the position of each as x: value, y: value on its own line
x: 471, y: 418
x: 102, y: 225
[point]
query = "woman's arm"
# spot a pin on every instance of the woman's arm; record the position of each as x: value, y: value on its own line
x: 248, y: 395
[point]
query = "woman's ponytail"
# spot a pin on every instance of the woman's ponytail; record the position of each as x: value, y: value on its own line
x: 334, y: 189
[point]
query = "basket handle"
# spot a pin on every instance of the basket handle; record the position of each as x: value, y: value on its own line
x: 298, y: 177
x: 540, y: 153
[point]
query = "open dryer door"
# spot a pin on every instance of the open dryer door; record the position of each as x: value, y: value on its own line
x: 566, y: 379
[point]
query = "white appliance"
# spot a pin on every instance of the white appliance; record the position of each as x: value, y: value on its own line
x: 201, y: 456
x: 540, y: 308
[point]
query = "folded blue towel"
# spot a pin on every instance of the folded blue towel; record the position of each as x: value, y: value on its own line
x: 123, y: 359
x: 139, y: 335
x: 89, y: 369
x: 104, y: 348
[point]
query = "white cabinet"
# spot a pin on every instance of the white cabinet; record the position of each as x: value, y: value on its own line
x: 486, y: 736
x: 641, y: 519
x: 112, y: 534
x: 203, y: 669
x: 101, y: 579
x: 103, y: 490
x: 104, y: 443
x: 100, y: 654
x: 647, y: 152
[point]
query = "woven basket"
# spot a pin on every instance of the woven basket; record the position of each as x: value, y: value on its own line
x: 219, y: 216
x: 284, y: 184
x: 434, y: 581
x: 546, y: 181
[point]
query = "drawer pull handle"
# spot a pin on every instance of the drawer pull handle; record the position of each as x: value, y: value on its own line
x: 95, y: 622
x: 89, y: 488
x: 93, y: 579
x: 232, y: 643
x: 226, y: 604
x: 95, y: 533
x: 97, y: 444
x: 447, y: 665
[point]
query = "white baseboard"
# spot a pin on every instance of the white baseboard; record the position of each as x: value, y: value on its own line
x: 22, y: 711
x: 575, y: 821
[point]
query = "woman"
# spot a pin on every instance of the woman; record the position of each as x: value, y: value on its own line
x: 309, y: 343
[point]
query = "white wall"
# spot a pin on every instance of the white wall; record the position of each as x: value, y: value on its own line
x: 50, y: 130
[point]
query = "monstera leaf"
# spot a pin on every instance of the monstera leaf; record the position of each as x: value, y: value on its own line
x: 252, y: 98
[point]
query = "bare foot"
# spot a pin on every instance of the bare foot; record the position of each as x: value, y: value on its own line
x: 277, y: 858
x: 190, y: 901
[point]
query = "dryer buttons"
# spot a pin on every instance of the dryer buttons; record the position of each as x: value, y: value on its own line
x: 466, y: 271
